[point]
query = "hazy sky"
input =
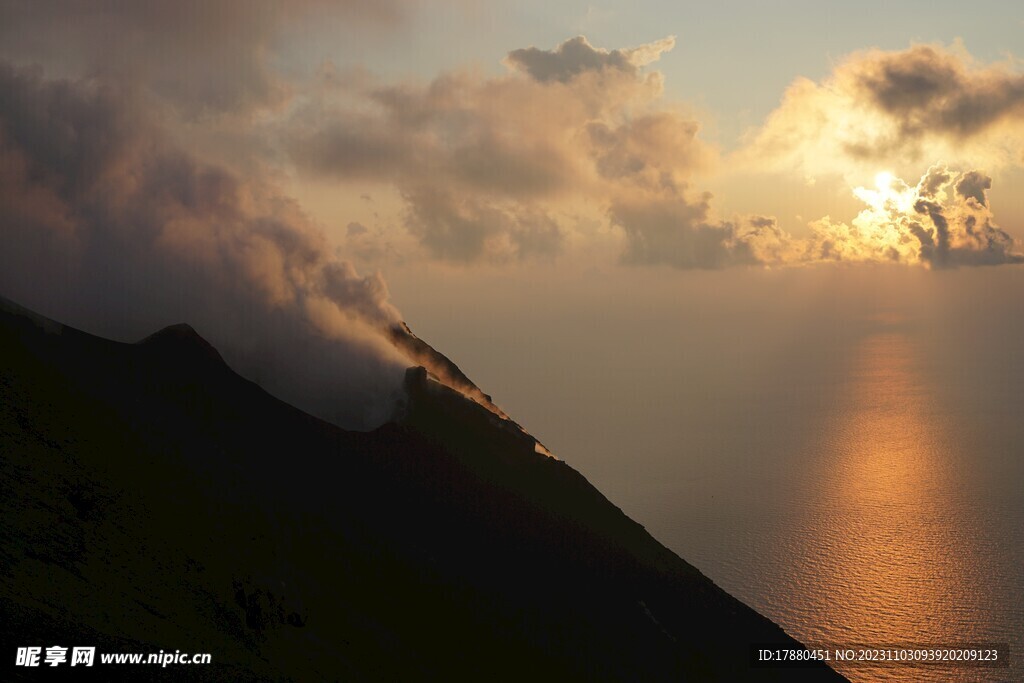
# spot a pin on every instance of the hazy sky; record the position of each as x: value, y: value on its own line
x: 258, y: 167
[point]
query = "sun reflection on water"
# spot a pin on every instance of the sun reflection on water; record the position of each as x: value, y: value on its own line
x: 886, y: 550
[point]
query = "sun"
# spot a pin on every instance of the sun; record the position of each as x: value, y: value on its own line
x: 883, y: 181
x: 891, y: 194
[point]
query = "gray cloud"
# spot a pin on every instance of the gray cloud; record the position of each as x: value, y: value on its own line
x: 358, y: 147
x: 651, y: 150
x: 675, y: 231
x: 762, y: 242
x: 577, y: 55
x: 934, y: 180
x: 470, y: 170
x: 934, y: 248
x: 106, y: 224
x: 204, y: 56
x: 973, y: 184
x: 466, y: 229
x: 457, y: 131
x: 930, y: 90
x: 963, y: 233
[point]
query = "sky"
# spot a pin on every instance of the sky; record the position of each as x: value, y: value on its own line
x: 294, y: 180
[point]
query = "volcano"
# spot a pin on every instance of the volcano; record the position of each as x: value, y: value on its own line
x: 154, y: 500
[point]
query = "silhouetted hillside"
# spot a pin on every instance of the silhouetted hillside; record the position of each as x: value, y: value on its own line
x: 153, y: 500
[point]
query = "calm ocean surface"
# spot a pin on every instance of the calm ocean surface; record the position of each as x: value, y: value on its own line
x: 895, y: 520
x: 861, y: 483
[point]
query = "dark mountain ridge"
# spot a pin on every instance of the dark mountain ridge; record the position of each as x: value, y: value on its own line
x: 155, y: 500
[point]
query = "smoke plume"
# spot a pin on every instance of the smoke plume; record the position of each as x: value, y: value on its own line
x: 107, y: 224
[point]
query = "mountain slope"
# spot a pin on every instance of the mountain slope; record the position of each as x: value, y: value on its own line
x: 154, y: 500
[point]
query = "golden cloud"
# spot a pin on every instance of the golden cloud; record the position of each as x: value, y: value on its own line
x: 896, y: 109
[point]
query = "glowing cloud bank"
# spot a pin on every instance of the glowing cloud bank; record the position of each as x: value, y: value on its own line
x: 896, y: 108
x: 943, y: 221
